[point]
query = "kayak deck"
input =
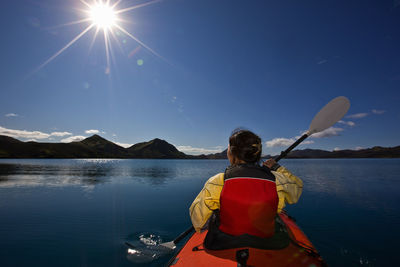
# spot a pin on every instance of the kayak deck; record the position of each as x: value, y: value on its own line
x: 300, y: 252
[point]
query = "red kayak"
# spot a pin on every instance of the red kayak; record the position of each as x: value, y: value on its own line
x: 299, y: 252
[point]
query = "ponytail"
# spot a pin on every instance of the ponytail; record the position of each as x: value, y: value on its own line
x: 246, y: 146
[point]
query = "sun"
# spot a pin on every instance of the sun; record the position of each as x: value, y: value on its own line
x: 103, y: 16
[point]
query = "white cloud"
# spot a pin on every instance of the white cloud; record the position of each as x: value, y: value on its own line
x: 357, y: 115
x: 92, y: 131
x: 23, y: 134
x: 379, y: 112
x: 37, y: 135
x: 281, y: 141
x: 11, y: 115
x: 60, y: 134
x: 123, y: 144
x: 277, y: 142
x: 331, y: 131
x: 336, y: 149
x: 198, y: 150
x: 322, y: 61
x: 358, y: 148
x: 349, y: 123
x: 75, y: 138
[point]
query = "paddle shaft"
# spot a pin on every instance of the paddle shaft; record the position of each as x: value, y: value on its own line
x: 284, y: 153
x: 130, y: 245
x: 332, y: 108
x: 183, y: 235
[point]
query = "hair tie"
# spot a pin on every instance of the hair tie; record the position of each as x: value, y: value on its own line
x: 258, y: 146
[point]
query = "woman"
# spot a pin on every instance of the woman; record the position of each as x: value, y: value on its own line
x: 246, y: 198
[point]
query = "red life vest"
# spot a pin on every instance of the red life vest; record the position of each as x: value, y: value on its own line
x: 249, y: 201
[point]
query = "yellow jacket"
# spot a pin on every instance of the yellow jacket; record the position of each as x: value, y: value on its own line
x: 288, y: 186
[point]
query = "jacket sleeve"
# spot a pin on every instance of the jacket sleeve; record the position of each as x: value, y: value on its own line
x: 288, y: 186
x: 206, y: 201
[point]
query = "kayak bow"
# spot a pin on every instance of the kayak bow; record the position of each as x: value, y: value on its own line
x: 300, y: 252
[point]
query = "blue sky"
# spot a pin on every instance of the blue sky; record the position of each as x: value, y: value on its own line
x: 208, y: 67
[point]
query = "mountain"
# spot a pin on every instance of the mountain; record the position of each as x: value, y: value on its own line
x: 220, y: 155
x: 374, y: 152
x: 309, y: 153
x: 91, y: 147
x: 40, y: 150
x: 101, y: 146
x: 156, y: 148
x: 98, y: 147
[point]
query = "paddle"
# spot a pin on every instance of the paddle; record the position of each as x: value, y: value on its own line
x: 330, y: 114
x: 325, y: 118
x: 170, y: 244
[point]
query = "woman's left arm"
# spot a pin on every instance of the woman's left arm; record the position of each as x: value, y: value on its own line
x: 206, y: 201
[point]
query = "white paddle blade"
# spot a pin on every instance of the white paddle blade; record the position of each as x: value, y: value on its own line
x: 330, y: 114
x: 170, y: 245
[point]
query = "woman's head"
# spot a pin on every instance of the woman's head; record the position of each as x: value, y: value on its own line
x: 244, y: 147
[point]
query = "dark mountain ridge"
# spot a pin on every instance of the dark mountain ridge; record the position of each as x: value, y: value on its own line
x: 91, y: 147
x: 374, y: 152
x: 98, y: 147
x: 101, y: 146
x: 156, y: 148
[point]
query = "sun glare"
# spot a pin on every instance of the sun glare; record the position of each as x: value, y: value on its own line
x: 103, y: 16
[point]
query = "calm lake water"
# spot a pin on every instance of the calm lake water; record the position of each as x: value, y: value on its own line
x: 80, y: 212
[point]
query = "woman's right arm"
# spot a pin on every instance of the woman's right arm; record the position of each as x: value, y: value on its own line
x: 206, y: 201
x: 288, y: 186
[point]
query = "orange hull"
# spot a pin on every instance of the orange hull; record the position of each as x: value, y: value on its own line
x: 300, y: 252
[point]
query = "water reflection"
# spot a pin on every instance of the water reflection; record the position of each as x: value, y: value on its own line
x: 343, y: 202
x: 85, y: 173
x: 154, y: 175
x: 361, y: 182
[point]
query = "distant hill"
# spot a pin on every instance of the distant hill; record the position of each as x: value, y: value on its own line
x: 13, y: 148
x: 155, y: 148
x: 220, y: 155
x: 98, y: 147
x: 91, y: 147
x: 102, y: 146
x: 309, y: 153
x: 375, y: 152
